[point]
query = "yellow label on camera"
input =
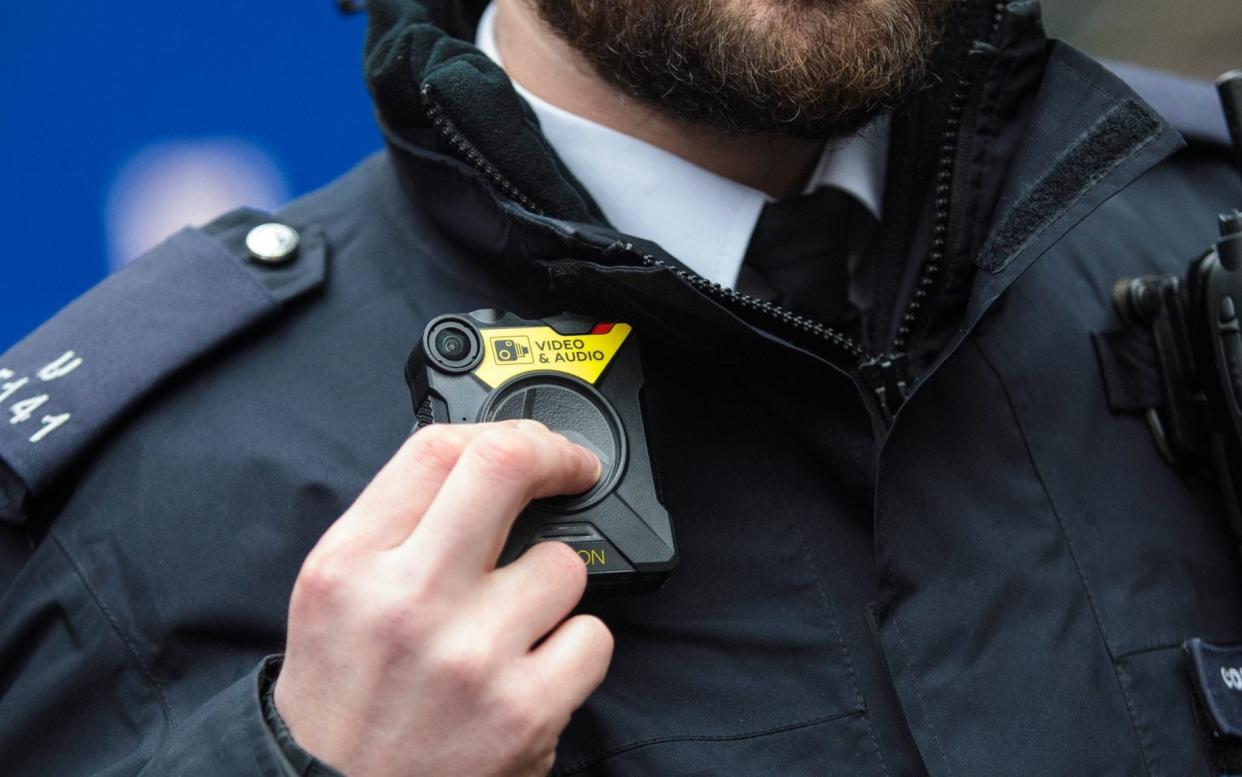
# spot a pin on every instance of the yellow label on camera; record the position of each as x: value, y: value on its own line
x: 510, y: 352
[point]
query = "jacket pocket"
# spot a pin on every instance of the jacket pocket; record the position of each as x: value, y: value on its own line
x: 736, y: 666
x: 1176, y: 735
x: 836, y: 744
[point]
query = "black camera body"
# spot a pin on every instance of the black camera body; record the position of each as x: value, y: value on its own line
x: 581, y: 378
x: 1197, y: 348
x: 1189, y: 327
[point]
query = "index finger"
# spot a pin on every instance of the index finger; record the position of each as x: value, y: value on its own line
x: 392, y: 504
x: 497, y: 475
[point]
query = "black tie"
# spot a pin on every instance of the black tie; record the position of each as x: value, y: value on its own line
x: 798, y: 256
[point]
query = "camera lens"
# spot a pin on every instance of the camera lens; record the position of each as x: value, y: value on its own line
x: 453, y: 345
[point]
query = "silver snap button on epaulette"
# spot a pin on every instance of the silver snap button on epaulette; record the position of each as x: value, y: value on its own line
x: 272, y: 243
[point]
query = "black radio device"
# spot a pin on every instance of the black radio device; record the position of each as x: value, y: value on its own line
x: 1196, y: 337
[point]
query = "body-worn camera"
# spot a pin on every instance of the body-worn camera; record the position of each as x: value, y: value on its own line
x: 1190, y: 329
x: 581, y: 378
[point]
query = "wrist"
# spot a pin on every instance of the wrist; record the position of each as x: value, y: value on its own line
x: 300, y: 761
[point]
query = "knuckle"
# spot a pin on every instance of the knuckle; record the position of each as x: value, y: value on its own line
x: 394, y: 624
x: 506, y: 453
x: 322, y: 580
x: 435, y: 447
x: 466, y: 668
x: 529, y: 425
x: 420, y: 589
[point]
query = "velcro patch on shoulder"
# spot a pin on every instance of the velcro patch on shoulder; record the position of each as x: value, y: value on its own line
x: 68, y: 383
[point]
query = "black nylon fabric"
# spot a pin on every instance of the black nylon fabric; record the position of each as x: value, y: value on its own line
x: 997, y: 583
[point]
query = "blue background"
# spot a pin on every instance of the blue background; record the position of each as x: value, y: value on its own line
x: 87, y: 85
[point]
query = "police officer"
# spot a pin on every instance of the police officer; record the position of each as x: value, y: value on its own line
x: 865, y: 248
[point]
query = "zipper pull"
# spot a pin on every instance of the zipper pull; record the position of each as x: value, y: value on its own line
x: 886, y: 376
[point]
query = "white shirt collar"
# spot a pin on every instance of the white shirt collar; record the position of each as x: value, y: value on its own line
x: 703, y: 219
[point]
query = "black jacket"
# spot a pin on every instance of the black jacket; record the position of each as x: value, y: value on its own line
x: 929, y: 549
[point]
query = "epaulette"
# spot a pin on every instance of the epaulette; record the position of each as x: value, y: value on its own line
x: 1191, y: 105
x: 68, y: 383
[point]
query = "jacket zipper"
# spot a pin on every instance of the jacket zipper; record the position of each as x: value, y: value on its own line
x: 885, y: 372
x: 470, y: 152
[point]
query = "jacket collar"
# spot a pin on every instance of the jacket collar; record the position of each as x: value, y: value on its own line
x: 425, y: 74
x: 435, y: 93
x: 444, y: 105
x: 457, y: 127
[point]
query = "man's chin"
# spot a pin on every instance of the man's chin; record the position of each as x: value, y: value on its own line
x: 799, y: 69
x: 758, y: 123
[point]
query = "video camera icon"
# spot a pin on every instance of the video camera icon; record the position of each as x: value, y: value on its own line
x: 512, y: 350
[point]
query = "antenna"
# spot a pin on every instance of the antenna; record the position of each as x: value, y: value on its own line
x: 1230, y: 87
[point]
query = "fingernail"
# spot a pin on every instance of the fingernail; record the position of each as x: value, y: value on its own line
x: 596, y: 464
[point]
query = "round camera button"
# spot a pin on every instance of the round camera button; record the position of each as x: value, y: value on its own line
x: 575, y: 410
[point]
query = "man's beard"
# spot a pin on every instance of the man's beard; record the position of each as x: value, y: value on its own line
x: 810, y: 69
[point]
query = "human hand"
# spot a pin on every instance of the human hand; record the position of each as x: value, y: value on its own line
x: 409, y: 652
